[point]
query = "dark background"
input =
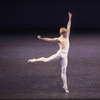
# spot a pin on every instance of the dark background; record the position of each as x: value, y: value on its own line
x: 21, y: 21
x: 49, y: 14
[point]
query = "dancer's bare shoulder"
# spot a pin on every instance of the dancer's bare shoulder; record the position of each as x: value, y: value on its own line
x: 61, y: 39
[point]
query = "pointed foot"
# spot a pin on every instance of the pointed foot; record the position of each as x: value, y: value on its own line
x: 66, y: 89
x: 32, y: 60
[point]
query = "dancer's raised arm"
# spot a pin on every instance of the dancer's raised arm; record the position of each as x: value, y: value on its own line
x: 69, y: 24
x: 48, y: 39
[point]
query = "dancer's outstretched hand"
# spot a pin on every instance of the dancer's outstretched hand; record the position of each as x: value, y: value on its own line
x: 39, y: 37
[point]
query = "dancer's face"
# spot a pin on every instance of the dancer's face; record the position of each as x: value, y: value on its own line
x: 63, y: 30
x: 63, y: 35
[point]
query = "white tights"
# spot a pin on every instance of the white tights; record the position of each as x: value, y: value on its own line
x: 63, y: 61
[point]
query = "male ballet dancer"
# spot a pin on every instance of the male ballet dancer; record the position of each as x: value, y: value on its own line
x: 62, y: 53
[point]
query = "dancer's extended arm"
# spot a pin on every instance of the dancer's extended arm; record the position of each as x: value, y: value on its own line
x: 69, y: 24
x: 48, y: 39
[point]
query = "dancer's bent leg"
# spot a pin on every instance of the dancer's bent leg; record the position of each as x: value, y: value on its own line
x: 64, y: 63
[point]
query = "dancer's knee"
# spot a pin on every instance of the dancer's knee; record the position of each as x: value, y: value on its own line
x: 45, y: 59
x: 63, y: 74
x: 63, y: 71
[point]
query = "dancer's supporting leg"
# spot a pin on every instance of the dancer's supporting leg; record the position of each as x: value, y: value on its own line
x: 64, y: 63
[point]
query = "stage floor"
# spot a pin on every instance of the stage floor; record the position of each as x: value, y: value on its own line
x: 22, y: 80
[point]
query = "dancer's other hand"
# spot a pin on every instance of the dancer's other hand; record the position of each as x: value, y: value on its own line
x: 70, y: 14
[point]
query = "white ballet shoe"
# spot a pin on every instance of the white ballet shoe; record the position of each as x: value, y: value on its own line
x: 31, y: 60
x: 66, y: 89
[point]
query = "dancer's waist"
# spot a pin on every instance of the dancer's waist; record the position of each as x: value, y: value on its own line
x: 65, y: 50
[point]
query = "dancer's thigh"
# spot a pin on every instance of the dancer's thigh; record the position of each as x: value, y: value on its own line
x: 54, y: 57
x: 64, y: 62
